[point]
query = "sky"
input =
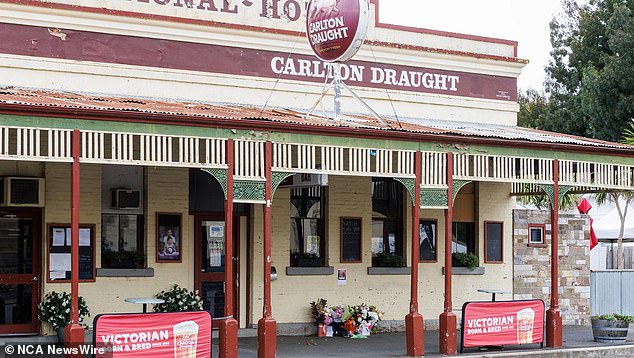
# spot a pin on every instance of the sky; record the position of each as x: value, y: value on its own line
x: 524, y: 21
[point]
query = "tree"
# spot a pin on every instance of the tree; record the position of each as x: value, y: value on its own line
x: 533, y: 109
x: 589, y: 87
x: 617, y: 198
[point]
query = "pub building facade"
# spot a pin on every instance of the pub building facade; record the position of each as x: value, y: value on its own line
x: 183, y: 142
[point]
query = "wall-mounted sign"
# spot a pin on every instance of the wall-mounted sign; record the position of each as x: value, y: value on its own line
x: 336, y: 29
x: 168, y: 335
x: 502, y: 323
x: 187, y: 56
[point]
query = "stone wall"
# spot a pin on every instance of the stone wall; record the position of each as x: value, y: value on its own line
x: 532, y: 263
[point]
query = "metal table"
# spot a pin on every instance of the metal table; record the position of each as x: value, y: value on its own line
x: 145, y: 302
x: 493, y: 292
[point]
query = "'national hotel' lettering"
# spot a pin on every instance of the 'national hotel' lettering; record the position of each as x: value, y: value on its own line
x: 273, y: 9
x: 357, y: 73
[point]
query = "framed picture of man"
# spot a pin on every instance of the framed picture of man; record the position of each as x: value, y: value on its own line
x: 168, y: 237
x: 428, y: 240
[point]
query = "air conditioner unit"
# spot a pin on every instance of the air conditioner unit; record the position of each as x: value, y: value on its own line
x: 126, y: 199
x: 19, y: 191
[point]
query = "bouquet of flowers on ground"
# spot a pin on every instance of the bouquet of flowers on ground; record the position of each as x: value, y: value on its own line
x: 365, y: 318
x: 319, y: 311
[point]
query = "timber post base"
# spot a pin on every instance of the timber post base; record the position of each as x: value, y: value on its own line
x: 415, y: 334
x: 448, y: 334
x: 554, y: 329
x: 228, y: 338
x: 73, y: 338
x: 267, y: 338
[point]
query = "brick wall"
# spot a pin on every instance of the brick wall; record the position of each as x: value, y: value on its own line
x: 532, y: 264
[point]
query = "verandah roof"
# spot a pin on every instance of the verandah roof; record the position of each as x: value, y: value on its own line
x: 279, y: 118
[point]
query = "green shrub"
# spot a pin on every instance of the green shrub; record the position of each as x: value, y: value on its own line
x: 467, y: 259
x: 178, y: 299
x: 614, y: 316
x: 55, y: 309
x: 386, y: 259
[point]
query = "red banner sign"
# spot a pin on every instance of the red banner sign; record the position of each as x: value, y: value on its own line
x: 336, y: 28
x: 502, y: 323
x: 156, y: 335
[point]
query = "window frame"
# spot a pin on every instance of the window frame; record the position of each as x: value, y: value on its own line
x: 486, y: 242
x: 420, y: 256
x: 140, y: 240
x: 397, y: 219
x: 321, y: 220
x: 542, y: 227
x: 473, y: 239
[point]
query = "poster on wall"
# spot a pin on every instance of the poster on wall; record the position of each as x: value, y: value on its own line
x: 156, y: 335
x: 168, y: 236
x: 502, y: 323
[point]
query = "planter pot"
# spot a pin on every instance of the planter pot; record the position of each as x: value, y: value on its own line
x: 321, y: 330
x: 456, y: 263
x: 60, y: 335
x: 609, y: 331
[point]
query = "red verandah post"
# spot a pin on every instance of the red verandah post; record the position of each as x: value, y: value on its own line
x: 74, y: 332
x: 228, y: 335
x: 554, y: 330
x: 414, y: 323
x: 267, y: 327
x: 448, y: 322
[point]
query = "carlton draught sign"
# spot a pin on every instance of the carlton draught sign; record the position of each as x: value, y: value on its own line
x: 502, y: 323
x: 336, y: 29
x: 155, y: 335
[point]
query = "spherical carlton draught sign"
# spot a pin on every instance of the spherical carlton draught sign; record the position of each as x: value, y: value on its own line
x: 336, y: 28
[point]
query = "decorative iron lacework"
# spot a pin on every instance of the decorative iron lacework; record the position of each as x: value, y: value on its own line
x: 249, y: 191
x: 457, y: 185
x: 409, y: 184
x: 433, y: 198
x: 277, y: 178
x: 221, y: 176
x: 549, y: 190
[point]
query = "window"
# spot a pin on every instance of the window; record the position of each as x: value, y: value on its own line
x: 307, y: 227
x: 536, y: 234
x: 387, y: 223
x: 122, y: 244
x: 122, y: 223
x: 493, y: 242
x: 463, y: 238
x: 428, y: 240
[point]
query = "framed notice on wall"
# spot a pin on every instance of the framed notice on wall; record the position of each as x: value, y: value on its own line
x: 351, y: 246
x: 169, y: 237
x: 59, y: 253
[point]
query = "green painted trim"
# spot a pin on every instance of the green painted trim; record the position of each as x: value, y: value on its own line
x: 549, y: 191
x: 248, y: 190
x: 277, y: 178
x: 105, y: 125
x: 409, y: 184
x: 457, y: 185
x: 433, y: 198
x: 563, y: 190
x: 221, y: 177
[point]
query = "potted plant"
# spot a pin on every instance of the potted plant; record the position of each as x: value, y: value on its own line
x: 307, y: 260
x: 465, y: 259
x: 609, y: 328
x: 386, y: 259
x: 178, y: 299
x: 122, y: 258
x: 55, y: 309
x: 318, y: 311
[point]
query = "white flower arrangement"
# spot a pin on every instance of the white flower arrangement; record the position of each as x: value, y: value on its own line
x: 55, y: 309
x: 178, y: 299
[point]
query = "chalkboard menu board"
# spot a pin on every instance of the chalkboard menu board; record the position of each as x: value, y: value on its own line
x: 493, y: 243
x: 59, y: 253
x: 351, y: 239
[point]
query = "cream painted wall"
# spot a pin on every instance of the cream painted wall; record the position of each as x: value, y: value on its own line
x: 350, y: 196
x: 167, y: 191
